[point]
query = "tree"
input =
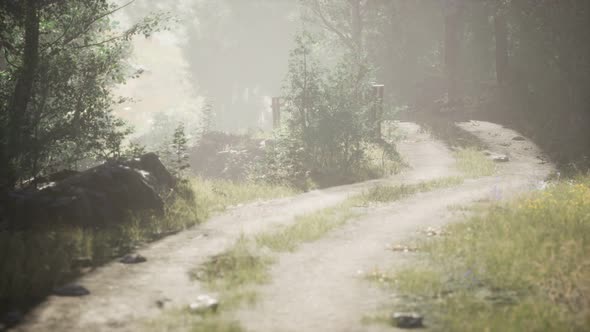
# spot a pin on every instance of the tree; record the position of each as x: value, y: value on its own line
x: 328, y: 109
x: 179, y: 153
x: 453, y: 33
x: 62, y: 57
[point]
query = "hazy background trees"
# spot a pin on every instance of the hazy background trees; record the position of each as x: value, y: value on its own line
x: 525, y: 63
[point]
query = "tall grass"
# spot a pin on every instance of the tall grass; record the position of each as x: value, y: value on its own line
x: 386, y: 194
x: 473, y: 163
x: 523, y: 266
x: 35, y: 261
x: 307, y: 227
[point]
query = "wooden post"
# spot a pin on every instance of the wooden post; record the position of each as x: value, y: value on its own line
x: 377, y: 113
x: 276, y: 112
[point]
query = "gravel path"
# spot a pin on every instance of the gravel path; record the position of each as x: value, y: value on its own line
x: 123, y: 295
x: 317, y: 288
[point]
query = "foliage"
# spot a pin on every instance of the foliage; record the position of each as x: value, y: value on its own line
x: 328, y: 127
x: 60, y: 59
x: 179, y: 156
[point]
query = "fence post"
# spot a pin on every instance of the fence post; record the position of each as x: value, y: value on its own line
x: 276, y: 112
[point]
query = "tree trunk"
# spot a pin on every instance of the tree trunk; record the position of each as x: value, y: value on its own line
x: 357, y: 25
x: 501, y: 34
x: 451, y: 51
x: 24, y: 87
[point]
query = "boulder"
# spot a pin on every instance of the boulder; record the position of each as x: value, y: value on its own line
x: 96, y: 197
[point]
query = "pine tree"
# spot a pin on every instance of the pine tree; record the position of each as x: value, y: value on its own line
x: 179, y: 156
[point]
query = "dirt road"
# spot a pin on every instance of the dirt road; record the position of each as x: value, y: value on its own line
x: 317, y: 288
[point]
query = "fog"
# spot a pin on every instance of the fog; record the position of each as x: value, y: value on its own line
x: 294, y: 165
x: 229, y: 54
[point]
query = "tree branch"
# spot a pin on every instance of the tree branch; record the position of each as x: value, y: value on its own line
x: 86, y: 28
x: 345, y: 39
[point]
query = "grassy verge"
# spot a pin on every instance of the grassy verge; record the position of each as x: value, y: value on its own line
x: 384, y: 194
x: 307, y: 228
x: 35, y: 261
x: 216, y: 195
x: 473, y: 163
x: 521, y: 266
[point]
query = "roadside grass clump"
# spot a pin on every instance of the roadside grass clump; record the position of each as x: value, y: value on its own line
x: 307, y: 227
x: 384, y: 194
x: 34, y: 261
x: 216, y: 195
x: 240, y: 266
x: 183, y: 320
x: 520, y: 266
x: 474, y: 163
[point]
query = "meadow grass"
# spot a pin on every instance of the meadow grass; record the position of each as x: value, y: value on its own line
x: 183, y: 320
x: 307, y: 227
x: 474, y: 163
x: 520, y: 266
x: 386, y: 194
x: 216, y: 195
x: 237, y: 267
x: 33, y: 262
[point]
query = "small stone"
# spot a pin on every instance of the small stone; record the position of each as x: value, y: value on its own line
x: 407, y: 320
x: 402, y: 248
x: 518, y: 138
x: 203, y: 304
x: 500, y: 158
x: 162, y: 302
x: 81, y: 262
x: 71, y: 290
x: 10, y: 319
x: 133, y: 259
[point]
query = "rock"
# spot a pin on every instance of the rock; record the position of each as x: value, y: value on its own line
x: 518, y: 138
x: 133, y: 259
x: 402, y: 248
x: 162, y: 302
x: 81, y: 262
x: 431, y: 231
x: 10, y: 319
x: 407, y: 320
x: 501, y: 158
x: 96, y: 197
x: 150, y: 163
x: 71, y: 291
x: 204, y: 304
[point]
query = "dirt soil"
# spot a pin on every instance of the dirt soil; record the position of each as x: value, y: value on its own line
x: 316, y: 288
